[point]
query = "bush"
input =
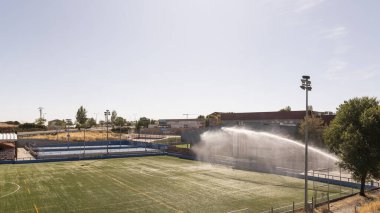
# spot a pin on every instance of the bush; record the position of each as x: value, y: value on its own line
x: 13, y: 122
x: 31, y: 127
x: 183, y: 151
x: 123, y: 130
x: 371, y: 207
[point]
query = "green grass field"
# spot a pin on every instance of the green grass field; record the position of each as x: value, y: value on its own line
x: 144, y: 184
x: 183, y: 145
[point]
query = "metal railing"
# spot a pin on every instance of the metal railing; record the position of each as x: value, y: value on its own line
x: 323, y: 194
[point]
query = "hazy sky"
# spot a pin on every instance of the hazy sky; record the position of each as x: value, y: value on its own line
x: 162, y: 58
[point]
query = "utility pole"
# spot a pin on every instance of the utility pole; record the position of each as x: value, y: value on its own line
x: 40, y: 109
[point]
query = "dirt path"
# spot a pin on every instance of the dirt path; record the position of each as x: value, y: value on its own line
x: 349, y: 205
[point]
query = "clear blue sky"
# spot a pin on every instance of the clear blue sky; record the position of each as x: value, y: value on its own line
x: 162, y: 58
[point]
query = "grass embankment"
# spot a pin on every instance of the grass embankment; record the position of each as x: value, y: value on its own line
x: 169, y: 140
x: 101, y: 136
x: 372, y: 207
x: 356, y: 203
x: 187, y: 145
x: 144, y: 184
x: 79, y: 136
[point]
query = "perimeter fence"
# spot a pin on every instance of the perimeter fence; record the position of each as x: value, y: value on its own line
x: 44, y: 150
x: 327, y: 185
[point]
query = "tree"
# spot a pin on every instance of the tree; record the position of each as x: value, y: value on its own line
x: 201, y: 117
x: 315, y: 129
x: 40, y: 121
x: 13, y: 122
x: 90, y: 122
x: 354, y: 136
x: 142, y: 122
x: 69, y: 122
x: 119, y: 121
x: 213, y: 119
x: 113, y: 117
x: 81, y: 116
x: 60, y: 123
x: 31, y: 127
x: 286, y: 109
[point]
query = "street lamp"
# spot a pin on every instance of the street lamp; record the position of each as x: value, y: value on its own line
x: 306, y: 85
x: 106, y: 114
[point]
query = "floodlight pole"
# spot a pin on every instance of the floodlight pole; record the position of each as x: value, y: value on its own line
x: 107, y: 113
x: 306, y: 85
x: 306, y: 149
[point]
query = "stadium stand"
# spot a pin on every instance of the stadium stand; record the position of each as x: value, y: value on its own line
x: 8, y: 146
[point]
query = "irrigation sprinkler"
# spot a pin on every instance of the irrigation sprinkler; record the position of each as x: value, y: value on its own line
x: 306, y: 85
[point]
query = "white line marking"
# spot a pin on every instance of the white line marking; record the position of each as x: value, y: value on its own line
x: 18, y: 188
x: 239, y: 210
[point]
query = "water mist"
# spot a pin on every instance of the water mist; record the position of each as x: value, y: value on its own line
x: 260, y: 151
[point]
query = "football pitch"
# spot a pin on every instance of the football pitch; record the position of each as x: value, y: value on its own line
x: 141, y: 184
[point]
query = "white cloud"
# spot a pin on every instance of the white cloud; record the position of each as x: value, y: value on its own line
x: 336, y: 68
x: 293, y: 6
x: 336, y: 33
x: 303, y: 5
x: 365, y: 73
x: 339, y: 69
x: 341, y: 49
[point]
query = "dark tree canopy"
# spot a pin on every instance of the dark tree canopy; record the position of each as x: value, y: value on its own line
x: 113, y: 117
x: 60, y: 123
x: 13, y: 122
x: 315, y: 130
x: 81, y: 116
x: 40, y: 121
x: 119, y: 121
x: 354, y: 135
x: 142, y: 122
x: 90, y: 122
x: 286, y: 109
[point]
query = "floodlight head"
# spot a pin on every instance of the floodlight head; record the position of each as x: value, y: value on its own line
x: 306, y: 77
x: 303, y: 87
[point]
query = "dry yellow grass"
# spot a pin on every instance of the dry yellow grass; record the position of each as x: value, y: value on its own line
x: 5, y: 125
x: 79, y: 136
x: 372, y: 207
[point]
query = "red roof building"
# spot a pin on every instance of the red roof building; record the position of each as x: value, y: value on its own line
x: 280, y: 117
